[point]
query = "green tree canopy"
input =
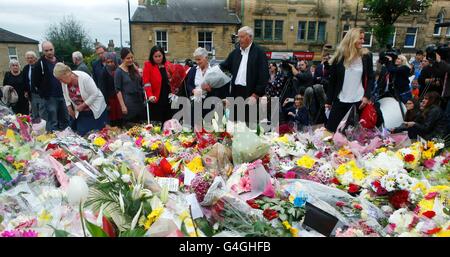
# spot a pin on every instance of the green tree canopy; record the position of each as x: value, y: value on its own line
x: 384, y: 13
x: 68, y: 35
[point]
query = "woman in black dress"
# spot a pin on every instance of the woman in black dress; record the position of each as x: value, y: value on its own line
x: 15, y: 79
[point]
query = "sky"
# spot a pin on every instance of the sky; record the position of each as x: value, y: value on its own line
x: 31, y: 18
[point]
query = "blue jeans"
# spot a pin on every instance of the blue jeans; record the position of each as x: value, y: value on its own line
x: 38, y: 109
x: 57, y: 114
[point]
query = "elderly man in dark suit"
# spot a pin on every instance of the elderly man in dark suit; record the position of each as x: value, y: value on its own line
x: 249, y: 67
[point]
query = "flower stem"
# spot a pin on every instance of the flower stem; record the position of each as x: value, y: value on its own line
x: 193, y: 221
x: 82, y: 219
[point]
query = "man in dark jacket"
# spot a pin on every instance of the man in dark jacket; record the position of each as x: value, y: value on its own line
x: 38, y: 109
x: 303, y: 76
x: 442, y: 69
x: 98, y: 65
x: 249, y: 66
x: 50, y: 89
x: 78, y: 60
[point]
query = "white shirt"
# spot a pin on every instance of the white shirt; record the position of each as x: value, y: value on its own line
x: 352, y: 89
x: 92, y: 96
x: 241, y: 77
x: 200, y: 77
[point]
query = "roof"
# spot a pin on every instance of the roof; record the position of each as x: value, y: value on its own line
x: 187, y: 11
x: 10, y: 37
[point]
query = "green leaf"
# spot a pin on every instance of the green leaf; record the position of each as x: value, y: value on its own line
x: 205, y: 227
x: 95, y: 230
x: 59, y: 233
x: 184, y: 230
x: 283, y: 217
x: 137, y: 232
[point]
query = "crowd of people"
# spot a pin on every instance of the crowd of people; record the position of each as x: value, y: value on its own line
x: 116, y: 92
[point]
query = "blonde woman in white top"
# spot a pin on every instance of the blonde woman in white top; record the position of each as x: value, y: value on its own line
x: 85, y: 102
x: 351, y: 78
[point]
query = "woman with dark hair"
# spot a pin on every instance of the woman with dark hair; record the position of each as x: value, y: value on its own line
x: 431, y: 123
x: 276, y: 81
x: 412, y: 112
x: 156, y: 84
x: 110, y: 93
x: 128, y: 84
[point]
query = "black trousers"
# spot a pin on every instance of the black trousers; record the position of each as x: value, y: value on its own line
x: 338, y: 112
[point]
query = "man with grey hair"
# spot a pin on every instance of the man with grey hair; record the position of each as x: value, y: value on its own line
x: 38, y: 110
x: 248, y: 65
x: 78, y: 60
x: 50, y: 89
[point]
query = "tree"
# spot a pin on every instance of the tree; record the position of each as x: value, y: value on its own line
x: 156, y: 2
x: 68, y: 36
x: 384, y: 13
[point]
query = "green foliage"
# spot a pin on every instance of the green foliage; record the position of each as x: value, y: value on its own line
x: 384, y: 13
x: 59, y: 233
x: 68, y: 35
x: 138, y: 232
x: 156, y: 2
x: 205, y: 227
x: 95, y: 230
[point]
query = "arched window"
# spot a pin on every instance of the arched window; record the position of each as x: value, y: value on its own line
x: 440, y: 19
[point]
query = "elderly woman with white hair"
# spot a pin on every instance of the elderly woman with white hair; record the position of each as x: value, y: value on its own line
x: 15, y: 79
x: 85, y: 102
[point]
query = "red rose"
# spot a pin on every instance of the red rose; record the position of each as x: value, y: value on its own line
x: 399, y: 199
x: 335, y: 181
x: 319, y: 155
x: 253, y: 204
x: 433, y: 231
x: 270, y: 214
x: 358, y: 206
x: 340, y: 204
x: 379, y: 189
x: 429, y: 214
x: 352, y: 188
x: 409, y: 158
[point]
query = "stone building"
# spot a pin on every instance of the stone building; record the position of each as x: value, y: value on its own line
x: 14, y: 46
x: 180, y: 26
x: 284, y: 28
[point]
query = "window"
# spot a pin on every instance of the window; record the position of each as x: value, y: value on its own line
x: 345, y: 30
x: 161, y: 40
x: 448, y: 31
x: 321, y: 31
x: 392, y: 37
x: 312, y: 30
x: 258, y: 29
x: 205, y: 40
x: 268, y: 30
x: 367, y: 38
x: 278, y: 30
x: 410, y: 39
x: 12, y: 52
x: 437, y: 30
x: 301, y: 35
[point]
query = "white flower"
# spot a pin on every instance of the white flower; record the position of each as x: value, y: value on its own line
x: 77, y: 191
x: 99, y: 162
x: 126, y: 178
x: 127, y: 144
x: 439, y: 145
x: 116, y: 145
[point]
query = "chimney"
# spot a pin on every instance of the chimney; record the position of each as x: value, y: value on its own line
x: 111, y: 46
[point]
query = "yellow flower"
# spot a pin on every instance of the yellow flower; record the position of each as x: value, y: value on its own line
x: 357, y: 173
x: 306, y: 162
x: 151, y: 160
x: 291, y: 198
x: 419, y: 186
x: 19, y: 165
x: 294, y: 232
x: 155, y: 146
x: 196, y: 165
x: 152, y: 217
x: 10, y: 135
x: 426, y: 205
x: 286, y: 224
x: 184, y: 215
x: 99, y: 141
x: 284, y: 139
x: 381, y: 150
x: 169, y: 146
x: 443, y: 233
x: 344, y: 152
x: 157, y: 129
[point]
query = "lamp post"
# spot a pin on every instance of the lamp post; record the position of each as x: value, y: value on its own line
x: 119, y: 19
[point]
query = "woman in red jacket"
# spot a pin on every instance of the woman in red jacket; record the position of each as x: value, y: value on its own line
x: 156, y: 84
